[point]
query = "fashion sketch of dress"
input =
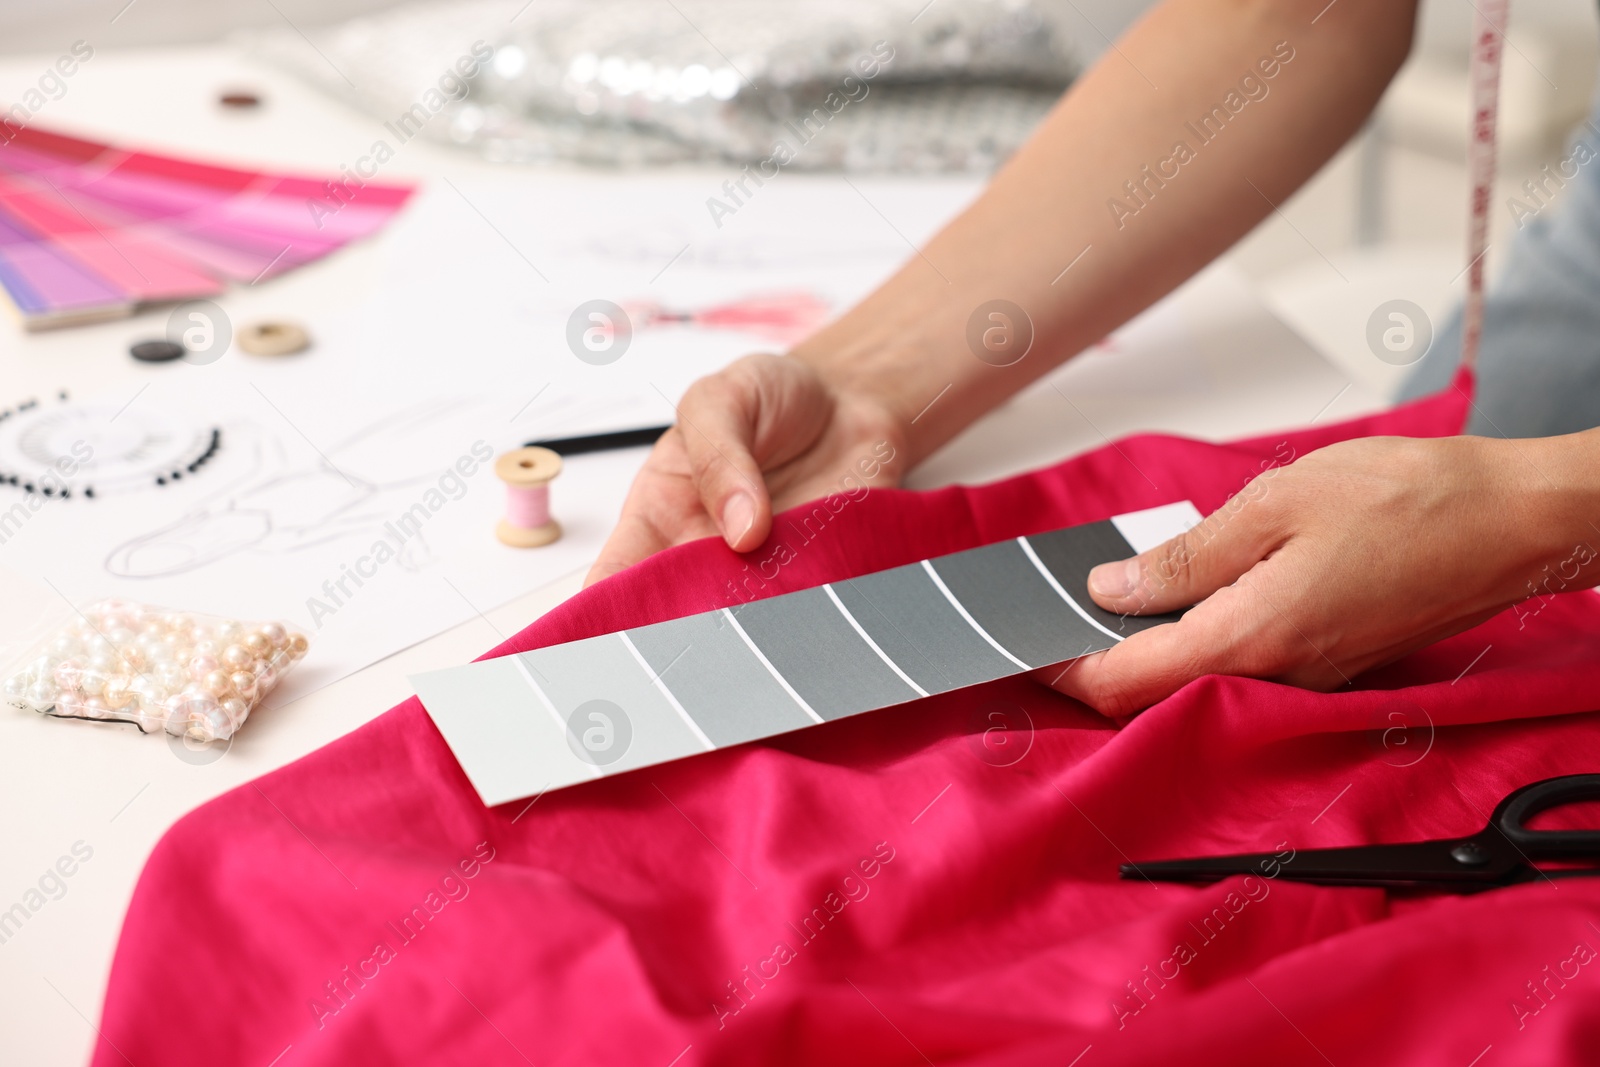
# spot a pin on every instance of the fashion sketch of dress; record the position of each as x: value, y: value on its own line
x: 279, y: 504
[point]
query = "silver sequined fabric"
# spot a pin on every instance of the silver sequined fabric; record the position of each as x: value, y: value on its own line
x: 859, y: 85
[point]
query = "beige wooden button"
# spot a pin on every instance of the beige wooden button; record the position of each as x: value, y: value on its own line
x: 273, y: 339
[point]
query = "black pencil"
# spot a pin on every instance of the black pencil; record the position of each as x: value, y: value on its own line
x: 601, y: 442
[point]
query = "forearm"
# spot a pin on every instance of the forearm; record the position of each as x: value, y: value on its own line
x: 1557, y: 484
x: 1058, y: 196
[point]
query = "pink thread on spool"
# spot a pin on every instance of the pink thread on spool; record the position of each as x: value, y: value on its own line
x: 527, y: 473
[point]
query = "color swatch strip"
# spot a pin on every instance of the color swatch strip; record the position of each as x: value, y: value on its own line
x: 88, y: 230
x: 566, y: 714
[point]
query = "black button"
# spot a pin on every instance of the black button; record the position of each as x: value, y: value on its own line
x: 1469, y: 855
x: 157, y: 351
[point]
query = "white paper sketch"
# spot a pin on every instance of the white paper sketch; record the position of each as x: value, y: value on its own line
x: 302, y: 467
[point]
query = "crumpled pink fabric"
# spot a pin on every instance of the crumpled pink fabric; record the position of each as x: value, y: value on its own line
x: 903, y: 887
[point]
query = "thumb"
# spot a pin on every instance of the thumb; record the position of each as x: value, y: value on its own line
x: 755, y: 415
x: 723, y: 420
x: 1190, y: 567
x: 717, y: 422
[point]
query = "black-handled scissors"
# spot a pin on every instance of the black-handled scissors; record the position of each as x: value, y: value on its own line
x: 1501, y: 854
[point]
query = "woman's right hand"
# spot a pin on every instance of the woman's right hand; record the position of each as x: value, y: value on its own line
x: 1350, y: 558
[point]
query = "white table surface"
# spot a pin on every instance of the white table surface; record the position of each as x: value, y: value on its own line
x: 1213, y: 364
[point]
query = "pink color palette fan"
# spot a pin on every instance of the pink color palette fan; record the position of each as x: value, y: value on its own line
x: 89, y: 231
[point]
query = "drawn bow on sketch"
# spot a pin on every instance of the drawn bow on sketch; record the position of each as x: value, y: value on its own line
x: 783, y: 317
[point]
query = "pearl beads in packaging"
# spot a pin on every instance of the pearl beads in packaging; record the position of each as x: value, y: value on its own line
x: 186, y: 674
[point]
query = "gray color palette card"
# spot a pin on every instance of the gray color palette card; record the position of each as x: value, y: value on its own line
x: 561, y: 715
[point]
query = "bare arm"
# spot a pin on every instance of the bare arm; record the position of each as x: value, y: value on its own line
x: 1258, y: 94
x: 1148, y: 95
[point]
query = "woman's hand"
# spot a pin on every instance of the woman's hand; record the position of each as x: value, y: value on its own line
x: 764, y: 433
x: 901, y: 367
x: 1348, y: 559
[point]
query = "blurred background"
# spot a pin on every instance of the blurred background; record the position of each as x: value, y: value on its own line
x: 1391, y: 188
x: 1386, y: 216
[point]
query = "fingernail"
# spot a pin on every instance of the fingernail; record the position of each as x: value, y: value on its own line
x: 1115, y: 580
x: 738, y: 515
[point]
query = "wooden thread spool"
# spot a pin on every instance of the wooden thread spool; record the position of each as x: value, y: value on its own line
x: 527, y: 473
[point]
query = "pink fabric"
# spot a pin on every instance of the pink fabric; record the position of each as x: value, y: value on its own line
x: 609, y: 919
